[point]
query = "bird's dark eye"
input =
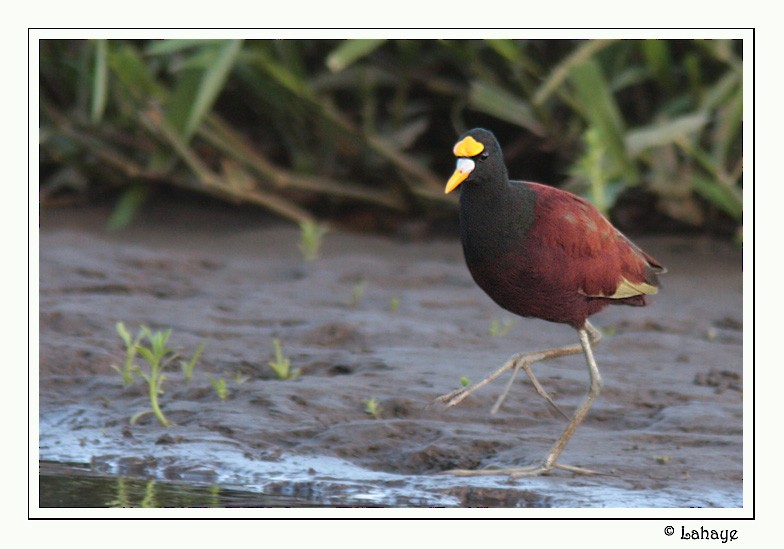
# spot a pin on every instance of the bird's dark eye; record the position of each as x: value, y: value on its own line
x: 484, y: 155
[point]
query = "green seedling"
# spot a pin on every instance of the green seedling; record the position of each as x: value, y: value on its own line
x: 282, y: 365
x: 373, y: 408
x: 394, y: 304
x: 311, y: 236
x: 188, y: 365
x: 500, y: 329
x: 464, y: 381
x: 127, y: 371
x: 158, y: 356
x: 239, y: 378
x: 221, y: 389
x: 356, y: 293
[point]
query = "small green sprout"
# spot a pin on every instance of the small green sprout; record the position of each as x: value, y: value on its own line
x: 189, y: 365
x: 239, y: 378
x: 394, y: 304
x: 158, y: 356
x: 311, y: 236
x: 356, y: 293
x: 127, y: 371
x: 221, y: 389
x: 282, y: 365
x: 464, y: 381
x: 500, y: 329
x: 373, y: 408
x: 662, y: 460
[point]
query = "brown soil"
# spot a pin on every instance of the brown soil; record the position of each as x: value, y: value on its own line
x: 667, y: 428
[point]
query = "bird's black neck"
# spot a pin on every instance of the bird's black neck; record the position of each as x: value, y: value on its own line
x: 493, y: 215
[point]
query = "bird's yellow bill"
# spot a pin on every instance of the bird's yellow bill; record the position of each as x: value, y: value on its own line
x: 468, y: 147
x: 463, y: 170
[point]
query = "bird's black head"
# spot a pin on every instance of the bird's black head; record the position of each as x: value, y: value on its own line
x: 478, y: 153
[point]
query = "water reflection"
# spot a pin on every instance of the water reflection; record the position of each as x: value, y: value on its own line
x: 76, y: 486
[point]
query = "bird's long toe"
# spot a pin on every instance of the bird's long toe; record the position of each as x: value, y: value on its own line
x: 452, y: 399
x: 522, y: 472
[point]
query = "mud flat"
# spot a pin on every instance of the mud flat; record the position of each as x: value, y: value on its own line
x: 667, y: 428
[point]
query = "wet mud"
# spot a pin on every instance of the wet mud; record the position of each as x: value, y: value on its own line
x: 394, y: 319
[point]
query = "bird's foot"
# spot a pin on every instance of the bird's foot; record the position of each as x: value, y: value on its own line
x: 519, y: 472
x: 458, y: 395
x: 454, y: 398
x: 515, y: 363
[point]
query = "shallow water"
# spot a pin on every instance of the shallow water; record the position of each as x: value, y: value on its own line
x: 79, y: 486
x: 63, y: 485
x: 213, y: 474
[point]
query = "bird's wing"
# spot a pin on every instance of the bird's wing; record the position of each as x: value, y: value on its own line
x: 602, y: 261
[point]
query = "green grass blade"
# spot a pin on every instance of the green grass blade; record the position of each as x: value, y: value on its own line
x: 165, y: 47
x: 127, y: 206
x: 561, y: 72
x: 100, y: 82
x: 601, y: 111
x: 180, y: 104
x: 210, y: 84
x: 706, y: 162
x: 280, y: 74
x: 591, y: 168
x: 129, y: 68
x: 720, y: 92
x: 729, y: 126
x: 664, y: 133
x: 351, y: 51
x: 728, y: 199
x: 496, y: 101
x: 506, y: 48
x: 659, y: 62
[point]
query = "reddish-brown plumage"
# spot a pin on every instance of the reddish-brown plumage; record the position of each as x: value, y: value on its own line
x: 541, y: 252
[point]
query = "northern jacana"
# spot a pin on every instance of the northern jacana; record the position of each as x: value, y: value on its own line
x: 541, y: 252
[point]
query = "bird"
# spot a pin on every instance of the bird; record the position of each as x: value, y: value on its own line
x: 545, y: 253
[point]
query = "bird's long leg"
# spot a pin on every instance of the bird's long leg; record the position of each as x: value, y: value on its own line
x: 594, y: 388
x: 526, y: 365
x: 516, y: 362
x: 594, y: 334
x: 587, y: 334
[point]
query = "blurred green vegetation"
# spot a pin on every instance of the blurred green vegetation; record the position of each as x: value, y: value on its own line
x: 648, y: 130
